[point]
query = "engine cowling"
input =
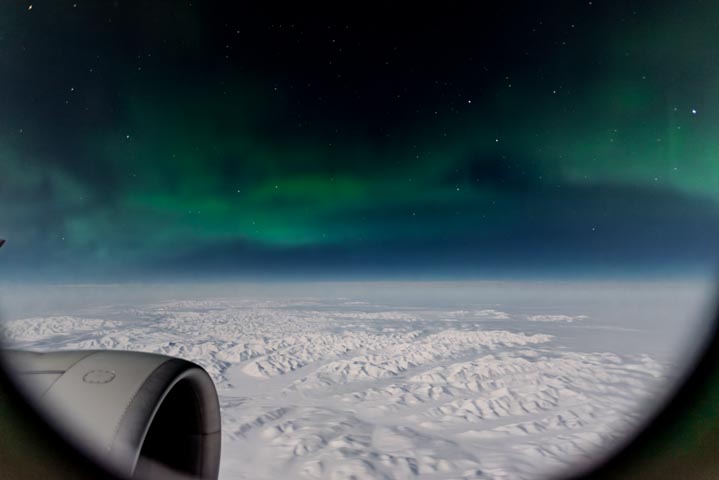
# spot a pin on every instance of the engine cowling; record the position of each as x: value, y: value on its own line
x: 141, y: 414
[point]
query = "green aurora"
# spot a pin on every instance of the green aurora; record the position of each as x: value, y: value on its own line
x: 586, y: 145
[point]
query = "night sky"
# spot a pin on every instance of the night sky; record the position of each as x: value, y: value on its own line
x: 175, y: 139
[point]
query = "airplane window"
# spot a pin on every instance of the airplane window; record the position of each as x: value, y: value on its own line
x: 370, y: 242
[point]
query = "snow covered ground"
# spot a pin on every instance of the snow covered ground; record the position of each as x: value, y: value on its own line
x: 396, y: 380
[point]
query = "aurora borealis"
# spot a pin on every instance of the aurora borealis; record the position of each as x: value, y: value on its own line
x: 198, y: 138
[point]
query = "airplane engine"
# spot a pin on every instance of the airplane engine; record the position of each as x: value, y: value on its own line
x: 141, y: 414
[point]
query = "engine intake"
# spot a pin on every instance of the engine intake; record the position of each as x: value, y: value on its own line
x: 141, y: 414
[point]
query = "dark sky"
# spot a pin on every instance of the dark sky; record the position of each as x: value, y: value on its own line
x: 452, y: 140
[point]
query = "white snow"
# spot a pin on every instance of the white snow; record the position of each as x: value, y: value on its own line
x: 556, y: 318
x: 351, y: 386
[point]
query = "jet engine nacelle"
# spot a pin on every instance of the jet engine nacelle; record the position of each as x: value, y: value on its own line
x: 143, y: 415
